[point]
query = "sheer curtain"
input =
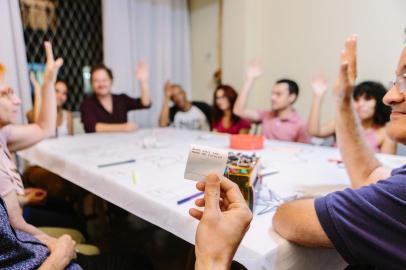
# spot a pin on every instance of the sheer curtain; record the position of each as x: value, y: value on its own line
x: 156, y: 31
x: 12, y: 53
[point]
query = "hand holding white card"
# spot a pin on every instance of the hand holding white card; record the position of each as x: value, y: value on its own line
x: 203, y: 160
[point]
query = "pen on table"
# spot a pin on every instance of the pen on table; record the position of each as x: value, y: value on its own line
x: 268, y: 173
x: 190, y: 197
x: 116, y: 163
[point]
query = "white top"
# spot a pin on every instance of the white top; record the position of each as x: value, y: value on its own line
x: 62, y: 129
x: 151, y: 186
x: 192, y: 119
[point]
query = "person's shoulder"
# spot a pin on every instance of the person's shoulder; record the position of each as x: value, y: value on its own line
x: 4, y: 135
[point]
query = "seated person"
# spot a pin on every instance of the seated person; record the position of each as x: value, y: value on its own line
x: 22, y: 245
x: 282, y: 122
x: 224, y: 120
x: 366, y: 224
x: 370, y: 109
x: 64, y: 119
x: 22, y: 250
x: 60, y: 193
x: 17, y: 137
x: 184, y: 113
x: 107, y: 112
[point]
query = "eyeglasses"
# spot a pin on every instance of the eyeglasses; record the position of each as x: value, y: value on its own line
x: 6, y: 92
x: 400, y: 82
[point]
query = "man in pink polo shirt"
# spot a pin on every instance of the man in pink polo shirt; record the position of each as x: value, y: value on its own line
x: 282, y: 122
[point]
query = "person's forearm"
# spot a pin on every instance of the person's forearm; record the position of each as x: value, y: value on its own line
x: 54, y: 263
x: 314, y: 117
x: 145, y: 93
x: 47, y: 115
x: 164, y: 115
x: 37, y: 103
x: 104, y: 127
x: 358, y: 158
x: 241, y: 101
x: 211, y: 264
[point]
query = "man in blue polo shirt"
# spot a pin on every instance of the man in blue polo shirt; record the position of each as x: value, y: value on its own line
x: 366, y: 224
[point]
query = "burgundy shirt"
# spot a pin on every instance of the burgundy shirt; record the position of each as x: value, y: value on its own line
x: 235, y: 127
x: 92, y: 112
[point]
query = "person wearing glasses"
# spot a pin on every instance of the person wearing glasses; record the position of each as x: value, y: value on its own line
x: 371, y: 111
x: 366, y: 224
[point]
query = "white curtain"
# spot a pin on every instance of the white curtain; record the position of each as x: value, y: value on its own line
x: 12, y: 52
x: 156, y: 31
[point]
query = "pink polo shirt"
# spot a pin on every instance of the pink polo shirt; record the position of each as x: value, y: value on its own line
x: 292, y: 129
x: 10, y: 179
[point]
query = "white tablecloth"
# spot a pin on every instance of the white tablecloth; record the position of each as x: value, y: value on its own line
x: 150, y: 187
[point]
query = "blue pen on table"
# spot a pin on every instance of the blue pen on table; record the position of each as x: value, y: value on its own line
x: 116, y: 163
x: 182, y: 201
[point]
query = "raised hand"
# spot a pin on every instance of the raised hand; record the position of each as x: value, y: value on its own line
x: 34, y: 81
x: 254, y: 70
x: 168, y: 89
x: 223, y: 223
x: 348, y: 70
x: 52, y: 66
x: 319, y: 85
x: 141, y: 71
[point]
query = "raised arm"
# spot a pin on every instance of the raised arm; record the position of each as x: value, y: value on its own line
x: 23, y: 136
x: 362, y: 166
x: 37, y: 99
x: 254, y: 70
x: 142, y: 75
x: 319, y: 87
x: 164, y: 115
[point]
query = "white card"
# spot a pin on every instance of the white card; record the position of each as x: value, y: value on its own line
x: 203, y: 160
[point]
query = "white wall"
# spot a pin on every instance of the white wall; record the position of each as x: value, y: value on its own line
x: 204, y: 39
x: 297, y: 38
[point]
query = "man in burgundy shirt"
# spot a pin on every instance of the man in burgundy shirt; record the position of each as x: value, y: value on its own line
x: 107, y: 112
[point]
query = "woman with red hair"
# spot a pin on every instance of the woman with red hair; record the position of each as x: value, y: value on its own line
x: 224, y: 120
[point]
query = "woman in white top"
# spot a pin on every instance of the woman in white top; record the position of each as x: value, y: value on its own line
x: 64, y: 121
x: 57, y: 188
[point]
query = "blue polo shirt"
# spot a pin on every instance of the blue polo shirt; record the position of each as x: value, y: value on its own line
x: 367, y: 226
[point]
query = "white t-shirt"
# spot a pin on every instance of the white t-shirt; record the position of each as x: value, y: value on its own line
x: 192, y: 119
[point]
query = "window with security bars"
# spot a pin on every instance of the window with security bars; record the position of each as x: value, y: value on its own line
x: 75, y: 29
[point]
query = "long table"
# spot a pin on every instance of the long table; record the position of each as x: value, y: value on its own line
x: 150, y: 187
